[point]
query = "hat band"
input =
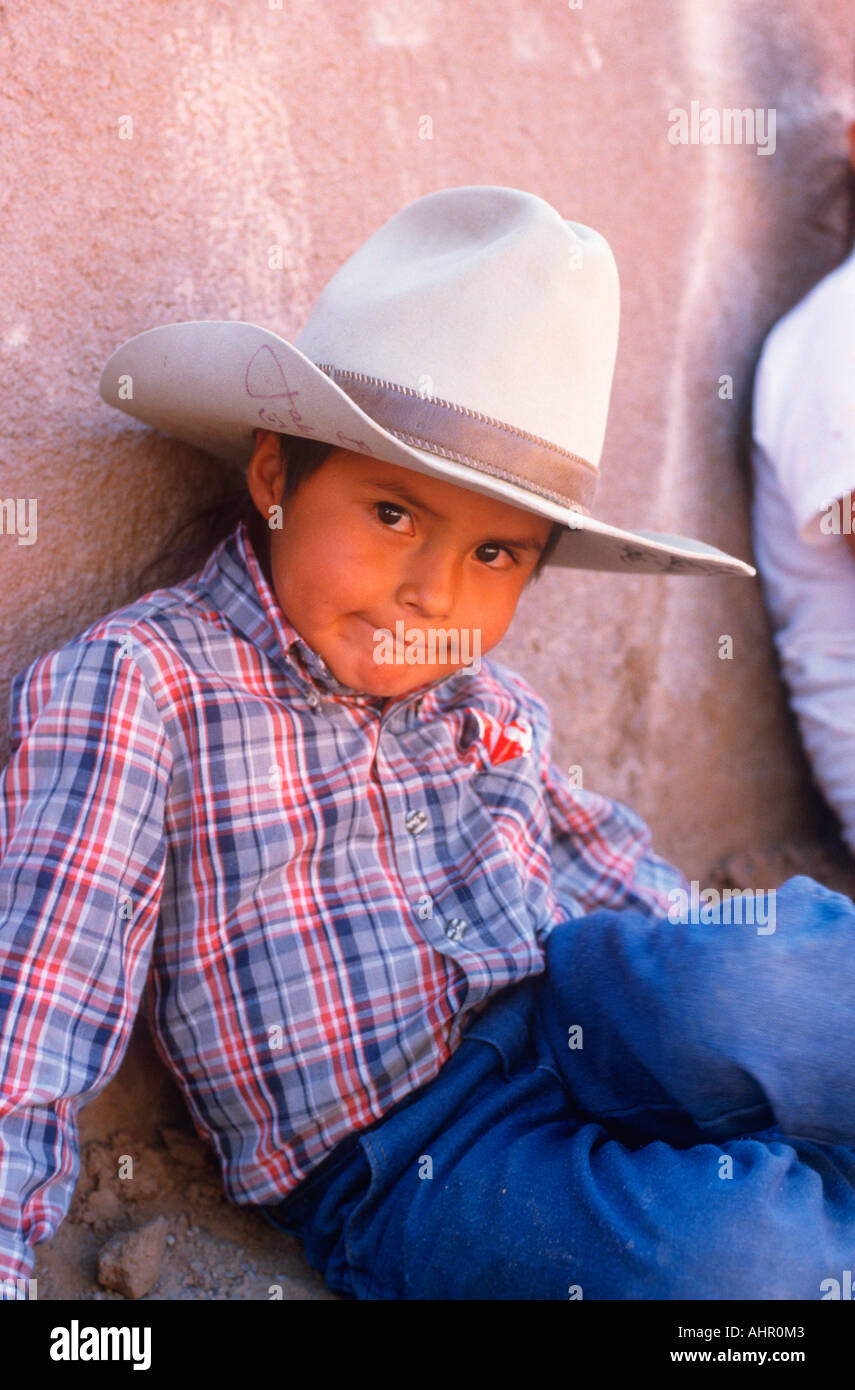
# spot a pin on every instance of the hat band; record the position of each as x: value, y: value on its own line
x: 455, y: 432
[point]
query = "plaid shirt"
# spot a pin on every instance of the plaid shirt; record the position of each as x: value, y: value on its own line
x: 323, y: 885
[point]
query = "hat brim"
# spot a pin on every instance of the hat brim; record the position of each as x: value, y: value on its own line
x: 212, y: 383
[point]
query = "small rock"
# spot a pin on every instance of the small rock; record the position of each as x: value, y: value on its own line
x: 149, y: 1176
x: 186, y: 1149
x: 130, y: 1263
x: 97, y: 1158
x: 102, y: 1205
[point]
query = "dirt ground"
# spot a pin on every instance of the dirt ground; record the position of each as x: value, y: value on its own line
x: 204, y: 1247
x: 212, y: 1250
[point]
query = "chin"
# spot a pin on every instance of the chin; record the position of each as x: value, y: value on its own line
x: 382, y: 687
x: 363, y: 678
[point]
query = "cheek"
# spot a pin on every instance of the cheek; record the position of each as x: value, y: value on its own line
x: 492, y: 629
x: 352, y: 561
x: 340, y: 565
x: 323, y: 572
x: 493, y: 617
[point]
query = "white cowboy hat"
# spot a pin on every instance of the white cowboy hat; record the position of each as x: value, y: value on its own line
x: 471, y: 338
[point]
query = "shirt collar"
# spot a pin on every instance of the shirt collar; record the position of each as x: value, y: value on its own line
x: 237, y: 586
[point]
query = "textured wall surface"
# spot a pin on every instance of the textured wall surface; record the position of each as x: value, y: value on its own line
x: 254, y: 126
x: 302, y: 127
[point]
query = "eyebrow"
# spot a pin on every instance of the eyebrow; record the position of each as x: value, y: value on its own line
x: 402, y: 492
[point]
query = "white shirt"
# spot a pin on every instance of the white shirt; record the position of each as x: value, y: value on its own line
x: 804, y: 459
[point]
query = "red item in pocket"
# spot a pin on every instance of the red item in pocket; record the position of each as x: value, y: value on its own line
x: 502, y: 741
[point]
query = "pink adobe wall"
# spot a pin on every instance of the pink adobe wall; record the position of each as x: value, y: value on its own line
x: 302, y: 127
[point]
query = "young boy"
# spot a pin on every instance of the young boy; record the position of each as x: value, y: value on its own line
x: 422, y: 995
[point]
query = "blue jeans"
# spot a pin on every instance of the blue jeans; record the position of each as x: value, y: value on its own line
x: 696, y: 1140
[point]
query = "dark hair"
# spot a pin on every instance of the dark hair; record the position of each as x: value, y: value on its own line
x: 551, y: 542
x: 213, y: 523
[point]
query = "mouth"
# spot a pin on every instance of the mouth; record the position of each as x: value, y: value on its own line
x: 385, y: 629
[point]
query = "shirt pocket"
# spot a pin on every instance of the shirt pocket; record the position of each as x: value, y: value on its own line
x: 491, y: 744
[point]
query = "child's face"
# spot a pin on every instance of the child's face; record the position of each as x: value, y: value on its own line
x: 355, y: 555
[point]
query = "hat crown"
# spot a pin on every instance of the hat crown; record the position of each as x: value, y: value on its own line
x: 487, y: 298
x: 471, y: 338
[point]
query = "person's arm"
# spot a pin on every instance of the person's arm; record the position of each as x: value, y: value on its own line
x: 804, y: 422
x: 82, y: 855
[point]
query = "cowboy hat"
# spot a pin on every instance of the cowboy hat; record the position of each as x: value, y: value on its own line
x: 471, y: 338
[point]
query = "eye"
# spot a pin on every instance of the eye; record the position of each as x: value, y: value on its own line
x: 498, y: 549
x: 381, y: 507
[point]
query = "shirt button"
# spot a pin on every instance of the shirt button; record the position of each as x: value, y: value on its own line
x: 312, y: 698
x: 416, y: 821
x: 454, y: 928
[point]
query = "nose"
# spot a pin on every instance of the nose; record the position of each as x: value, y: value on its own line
x: 430, y: 581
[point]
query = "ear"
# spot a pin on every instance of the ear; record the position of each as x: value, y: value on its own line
x: 852, y: 144
x: 265, y: 472
x: 266, y: 445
